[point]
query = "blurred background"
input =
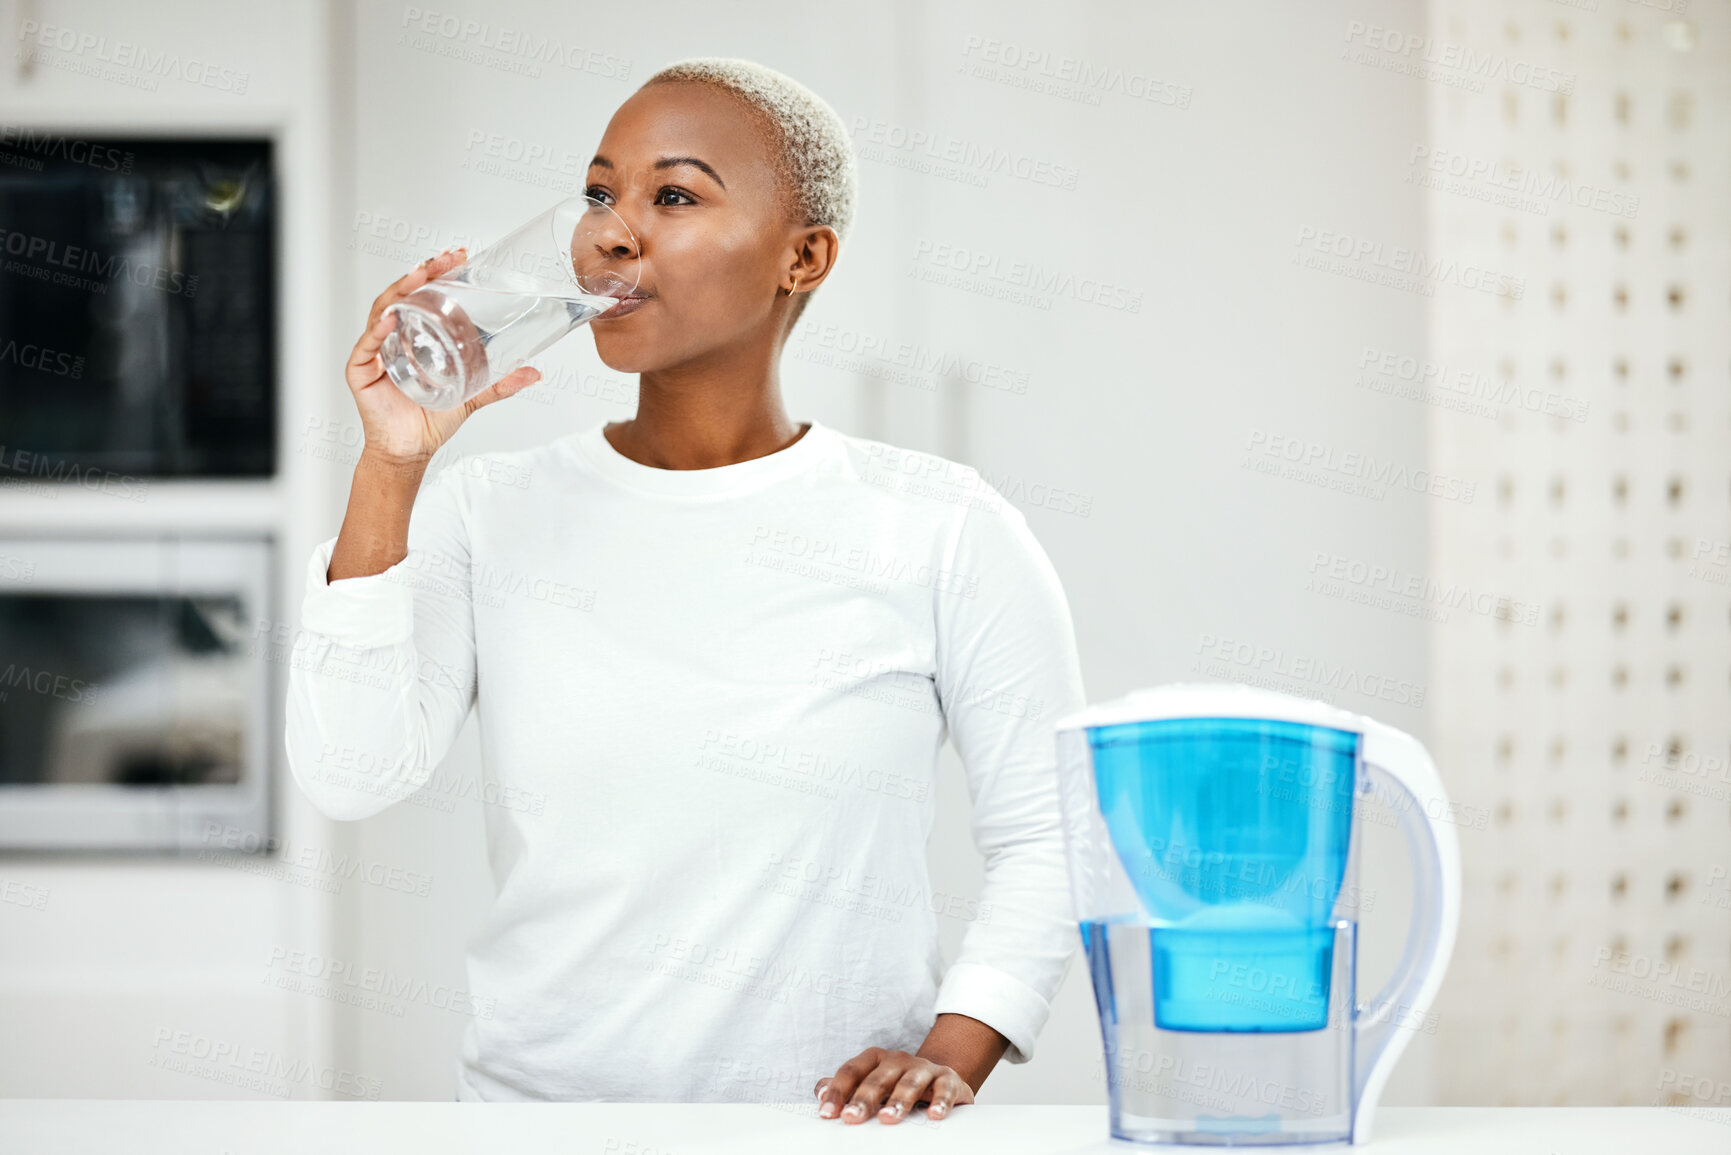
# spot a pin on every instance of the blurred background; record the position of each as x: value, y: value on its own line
x: 1370, y: 351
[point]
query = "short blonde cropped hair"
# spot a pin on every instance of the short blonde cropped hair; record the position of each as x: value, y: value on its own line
x: 816, y: 157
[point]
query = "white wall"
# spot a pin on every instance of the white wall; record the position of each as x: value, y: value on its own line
x: 1195, y: 202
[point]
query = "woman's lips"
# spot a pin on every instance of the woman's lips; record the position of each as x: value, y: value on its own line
x: 627, y: 304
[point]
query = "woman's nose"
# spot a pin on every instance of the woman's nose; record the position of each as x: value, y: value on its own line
x: 616, y: 238
x: 610, y: 235
x: 616, y: 247
x: 605, y: 244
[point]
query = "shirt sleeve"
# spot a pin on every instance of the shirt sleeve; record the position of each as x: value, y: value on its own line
x: 1007, y: 670
x: 382, y: 668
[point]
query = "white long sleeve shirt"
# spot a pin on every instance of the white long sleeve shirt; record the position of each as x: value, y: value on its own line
x: 711, y: 704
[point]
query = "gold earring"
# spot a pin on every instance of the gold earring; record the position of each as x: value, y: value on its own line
x: 790, y: 292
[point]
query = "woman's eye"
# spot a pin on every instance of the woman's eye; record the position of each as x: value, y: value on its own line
x: 673, y: 192
x: 599, y: 194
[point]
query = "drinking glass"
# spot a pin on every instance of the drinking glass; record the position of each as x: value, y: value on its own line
x: 460, y: 332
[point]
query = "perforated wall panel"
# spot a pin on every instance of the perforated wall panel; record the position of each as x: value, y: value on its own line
x: 1590, y: 710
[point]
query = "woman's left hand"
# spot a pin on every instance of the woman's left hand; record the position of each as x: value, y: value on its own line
x: 866, y: 1080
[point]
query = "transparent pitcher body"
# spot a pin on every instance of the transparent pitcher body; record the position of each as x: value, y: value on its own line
x: 1221, y: 1088
x: 1214, y: 866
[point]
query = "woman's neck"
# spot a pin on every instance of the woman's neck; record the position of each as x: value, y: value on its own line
x: 694, y: 417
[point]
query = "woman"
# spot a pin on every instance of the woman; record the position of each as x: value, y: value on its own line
x: 715, y: 654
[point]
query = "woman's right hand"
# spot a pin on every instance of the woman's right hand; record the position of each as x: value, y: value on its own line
x: 395, y: 429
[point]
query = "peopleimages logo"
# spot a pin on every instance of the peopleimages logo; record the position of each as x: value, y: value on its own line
x: 46, y: 683
x: 827, y: 554
x: 1237, y: 879
x: 1069, y: 77
x: 399, y: 239
x: 334, y: 865
x: 1459, y: 389
x: 37, y: 467
x: 96, y: 56
x: 1707, y: 776
x: 1509, y: 184
x: 251, y: 1068
x: 1465, y: 64
x: 466, y: 39
x: 812, y: 764
x: 46, y: 259
x: 1661, y: 981
x: 1374, y: 579
x: 943, y: 155
x: 1347, y: 470
x: 1269, y: 667
x: 56, y: 147
x: 875, y: 894
x: 23, y: 894
x: 1237, y: 1089
x: 1711, y: 561
x: 343, y: 980
x: 1717, y: 892
x: 1398, y: 267
x: 921, y: 360
x: 42, y: 359
x: 983, y: 268
x: 1701, y: 1088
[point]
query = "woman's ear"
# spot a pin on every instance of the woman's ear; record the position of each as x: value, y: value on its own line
x: 815, y: 250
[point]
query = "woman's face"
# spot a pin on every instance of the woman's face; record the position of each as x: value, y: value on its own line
x: 690, y: 170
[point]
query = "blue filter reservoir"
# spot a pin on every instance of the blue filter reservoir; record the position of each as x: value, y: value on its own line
x: 1235, y: 834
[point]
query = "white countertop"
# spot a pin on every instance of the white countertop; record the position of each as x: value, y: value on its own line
x: 255, y: 1127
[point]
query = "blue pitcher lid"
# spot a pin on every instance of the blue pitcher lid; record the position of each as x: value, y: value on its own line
x: 1211, y: 700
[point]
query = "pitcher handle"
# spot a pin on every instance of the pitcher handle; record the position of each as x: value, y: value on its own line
x: 1398, y: 765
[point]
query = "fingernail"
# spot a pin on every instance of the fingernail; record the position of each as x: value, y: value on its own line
x: 856, y: 1109
x: 827, y: 1111
x: 892, y: 1110
x: 937, y: 1109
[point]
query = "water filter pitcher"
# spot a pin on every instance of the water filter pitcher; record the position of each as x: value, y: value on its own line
x: 1213, y: 839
